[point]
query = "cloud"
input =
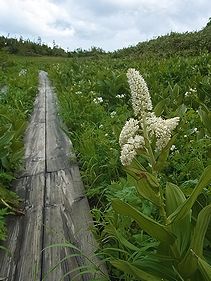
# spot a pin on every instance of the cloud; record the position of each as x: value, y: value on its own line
x: 110, y: 24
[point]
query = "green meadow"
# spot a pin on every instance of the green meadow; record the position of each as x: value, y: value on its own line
x: 151, y: 216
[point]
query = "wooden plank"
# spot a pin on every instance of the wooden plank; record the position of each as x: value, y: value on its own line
x: 24, y: 240
x: 56, y: 209
x: 35, y: 137
x: 67, y: 219
x: 35, y: 150
x: 67, y: 213
x: 59, y: 149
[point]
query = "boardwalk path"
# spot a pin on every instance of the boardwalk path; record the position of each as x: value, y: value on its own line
x: 56, y: 209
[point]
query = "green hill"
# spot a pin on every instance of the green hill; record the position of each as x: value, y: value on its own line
x: 188, y: 43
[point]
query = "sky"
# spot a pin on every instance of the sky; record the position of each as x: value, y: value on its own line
x: 107, y: 24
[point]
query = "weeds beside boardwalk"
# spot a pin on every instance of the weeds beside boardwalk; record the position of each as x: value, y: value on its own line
x: 95, y: 103
x: 94, y: 100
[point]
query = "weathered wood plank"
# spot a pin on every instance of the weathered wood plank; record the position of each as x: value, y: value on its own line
x: 35, y: 150
x: 59, y: 149
x: 56, y: 209
x: 25, y: 233
x: 67, y: 219
x: 25, y: 239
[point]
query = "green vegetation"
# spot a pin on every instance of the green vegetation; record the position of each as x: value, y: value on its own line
x: 18, y: 87
x: 152, y: 217
x: 95, y: 103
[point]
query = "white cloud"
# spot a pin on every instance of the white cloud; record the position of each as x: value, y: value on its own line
x: 110, y: 24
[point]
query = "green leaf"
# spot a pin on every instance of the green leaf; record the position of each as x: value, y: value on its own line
x: 146, y: 185
x: 6, y: 138
x: 174, y: 197
x: 161, y: 160
x: 159, y: 108
x: 153, y: 228
x: 175, y: 91
x: 189, y: 264
x: 205, y: 119
x: 110, y: 229
x: 134, y: 271
x: 182, y: 228
x: 185, y: 208
x: 205, y: 269
x: 200, y: 230
x: 181, y: 110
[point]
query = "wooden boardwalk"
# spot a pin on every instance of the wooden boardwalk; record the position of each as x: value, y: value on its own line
x: 56, y: 209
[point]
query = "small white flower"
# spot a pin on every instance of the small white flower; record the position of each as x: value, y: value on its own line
x: 172, y: 147
x: 185, y: 136
x: 98, y: 100
x: 22, y: 72
x: 193, y: 90
x: 101, y: 126
x: 195, y: 130
x: 106, y: 135
x: 113, y: 113
x: 120, y: 96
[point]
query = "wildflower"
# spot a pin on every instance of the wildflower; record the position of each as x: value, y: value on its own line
x: 173, y: 147
x: 129, y: 150
x: 129, y: 130
x: 195, y: 130
x: 120, y: 96
x: 22, y: 72
x: 106, y: 135
x: 98, y: 100
x: 127, y: 154
x: 193, y: 90
x: 101, y: 126
x: 129, y: 139
x: 113, y: 113
x: 162, y: 129
x: 141, y: 100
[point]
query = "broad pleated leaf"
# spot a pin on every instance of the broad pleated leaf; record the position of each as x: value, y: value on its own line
x: 205, y: 269
x: 182, y: 228
x: 135, y: 271
x: 190, y: 263
x: 153, y: 228
x: 146, y: 185
x: 185, y: 208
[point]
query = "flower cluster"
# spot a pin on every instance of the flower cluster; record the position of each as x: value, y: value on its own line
x: 112, y: 114
x: 98, y: 100
x: 129, y: 139
x: 22, y: 72
x: 141, y: 100
x: 162, y: 129
x: 120, y: 96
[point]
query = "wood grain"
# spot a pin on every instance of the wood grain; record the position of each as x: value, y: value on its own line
x: 56, y: 210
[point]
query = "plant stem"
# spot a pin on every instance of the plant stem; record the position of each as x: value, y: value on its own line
x: 148, y: 145
x: 162, y: 207
x: 153, y: 163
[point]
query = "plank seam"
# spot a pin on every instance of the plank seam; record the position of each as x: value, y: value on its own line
x: 44, y: 194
